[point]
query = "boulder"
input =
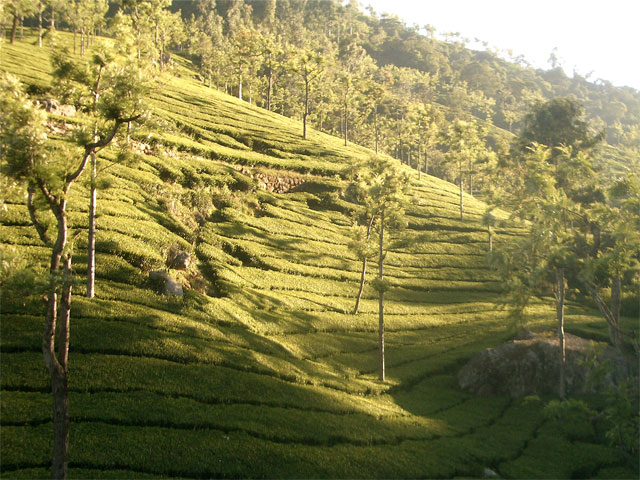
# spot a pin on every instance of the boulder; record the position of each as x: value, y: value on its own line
x: 54, y: 106
x: 178, y: 259
x: 527, y: 367
x: 168, y: 284
x: 66, y: 110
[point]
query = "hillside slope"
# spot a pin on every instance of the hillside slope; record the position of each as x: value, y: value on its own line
x: 261, y: 370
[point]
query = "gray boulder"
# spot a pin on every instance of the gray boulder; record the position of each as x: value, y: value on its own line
x: 54, y: 106
x: 527, y: 367
x: 168, y: 285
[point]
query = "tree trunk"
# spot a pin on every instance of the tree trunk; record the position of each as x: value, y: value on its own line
x: 381, y: 298
x: 346, y: 125
x: 461, y: 198
x: 14, y: 26
x: 560, y: 297
x: 419, y: 157
x: 364, y: 269
x: 57, y: 324
x: 240, y: 89
x: 306, y: 110
x: 363, y: 275
x: 162, y: 41
x: 269, y: 84
x: 59, y: 381
x: 610, y: 313
x: 461, y: 173
x: 490, y: 231
x: 614, y: 326
x: 91, y: 262
x: 375, y: 126
x: 426, y: 162
x: 60, y: 425
x: 40, y: 24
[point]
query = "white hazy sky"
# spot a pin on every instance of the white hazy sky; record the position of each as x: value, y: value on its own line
x: 599, y: 36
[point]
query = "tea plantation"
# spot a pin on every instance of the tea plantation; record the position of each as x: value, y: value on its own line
x: 261, y: 370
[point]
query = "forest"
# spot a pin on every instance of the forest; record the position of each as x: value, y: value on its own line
x: 364, y: 76
x: 223, y: 174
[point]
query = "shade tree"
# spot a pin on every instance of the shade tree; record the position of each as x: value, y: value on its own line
x: 18, y: 10
x: 109, y: 91
x: 609, y: 248
x: 309, y: 67
x: 379, y: 186
x: 464, y: 141
x: 49, y: 170
x: 538, y: 262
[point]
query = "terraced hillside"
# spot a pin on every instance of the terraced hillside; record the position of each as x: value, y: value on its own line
x: 261, y: 370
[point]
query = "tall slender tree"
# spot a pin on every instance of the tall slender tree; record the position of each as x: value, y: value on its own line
x: 384, y: 187
x: 108, y: 89
x: 309, y: 67
x: 465, y: 144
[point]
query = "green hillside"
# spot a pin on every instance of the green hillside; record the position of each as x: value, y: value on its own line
x: 260, y: 370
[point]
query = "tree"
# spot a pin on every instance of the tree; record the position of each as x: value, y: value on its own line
x: 359, y: 189
x: 108, y: 90
x: 489, y: 220
x: 309, y: 67
x: 84, y: 17
x: 169, y: 31
x: 57, y: 8
x: 142, y: 18
x: 361, y: 245
x: 537, y: 262
x: 429, y: 119
x: 356, y: 65
x: 610, y: 246
x: 49, y: 172
x: 464, y: 140
x: 18, y: 9
x: 557, y: 123
x: 383, y: 187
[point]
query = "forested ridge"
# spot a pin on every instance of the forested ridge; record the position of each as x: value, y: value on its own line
x: 383, y: 68
x: 365, y: 76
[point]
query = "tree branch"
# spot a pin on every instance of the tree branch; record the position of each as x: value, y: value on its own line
x: 40, y: 228
x: 91, y: 147
x: 49, y: 197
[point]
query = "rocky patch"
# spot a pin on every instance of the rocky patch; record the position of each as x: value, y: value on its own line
x: 531, y: 366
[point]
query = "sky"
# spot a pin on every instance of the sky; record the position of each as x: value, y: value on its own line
x: 598, y: 36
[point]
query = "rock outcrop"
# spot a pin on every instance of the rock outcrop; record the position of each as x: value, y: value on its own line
x: 167, y: 284
x: 274, y: 183
x: 532, y: 367
x: 54, y: 106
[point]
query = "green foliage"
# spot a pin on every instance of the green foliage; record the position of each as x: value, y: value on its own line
x: 621, y: 414
x: 22, y: 131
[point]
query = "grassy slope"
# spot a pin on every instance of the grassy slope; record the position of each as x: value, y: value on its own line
x: 264, y: 373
